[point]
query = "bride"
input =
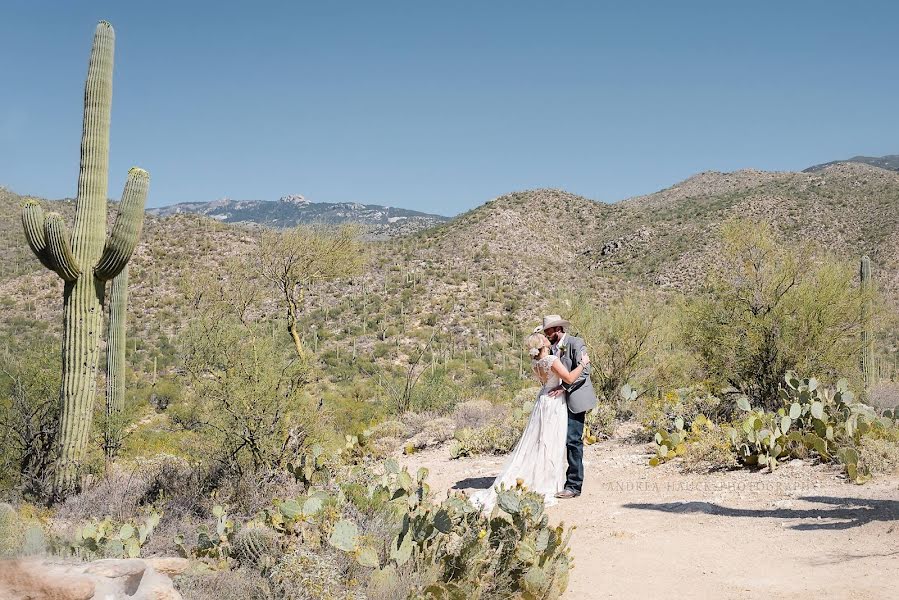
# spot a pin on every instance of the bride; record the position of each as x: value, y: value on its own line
x: 539, y: 457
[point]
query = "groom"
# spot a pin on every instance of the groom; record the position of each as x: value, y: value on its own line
x: 580, y: 398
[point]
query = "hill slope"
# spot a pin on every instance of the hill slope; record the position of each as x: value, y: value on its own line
x: 668, y: 238
x: 484, y: 278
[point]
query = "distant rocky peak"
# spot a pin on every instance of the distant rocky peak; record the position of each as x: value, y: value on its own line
x: 294, y: 199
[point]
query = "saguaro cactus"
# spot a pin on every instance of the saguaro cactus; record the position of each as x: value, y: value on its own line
x: 867, y: 357
x: 115, y: 362
x: 88, y: 259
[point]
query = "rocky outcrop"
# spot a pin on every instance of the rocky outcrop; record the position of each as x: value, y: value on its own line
x: 135, y: 579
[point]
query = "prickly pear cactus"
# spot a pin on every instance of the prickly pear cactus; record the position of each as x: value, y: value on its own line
x: 88, y: 258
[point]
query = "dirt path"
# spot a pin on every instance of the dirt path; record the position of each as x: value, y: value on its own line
x: 643, y: 532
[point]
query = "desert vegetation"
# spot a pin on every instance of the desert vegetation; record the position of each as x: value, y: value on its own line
x: 263, y: 387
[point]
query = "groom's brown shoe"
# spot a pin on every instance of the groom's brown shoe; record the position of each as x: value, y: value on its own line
x: 566, y: 494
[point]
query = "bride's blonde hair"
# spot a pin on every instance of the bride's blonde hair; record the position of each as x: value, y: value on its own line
x: 534, y: 343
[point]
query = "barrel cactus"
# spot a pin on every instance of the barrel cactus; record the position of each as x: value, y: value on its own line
x: 87, y: 259
x: 256, y: 544
x: 867, y: 341
x: 115, y: 362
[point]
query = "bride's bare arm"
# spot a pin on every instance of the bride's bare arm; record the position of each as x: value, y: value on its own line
x: 572, y: 375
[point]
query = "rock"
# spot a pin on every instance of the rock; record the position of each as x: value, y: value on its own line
x: 97, y: 580
x: 169, y: 565
x: 37, y: 581
x: 112, y: 567
x: 156, y: 586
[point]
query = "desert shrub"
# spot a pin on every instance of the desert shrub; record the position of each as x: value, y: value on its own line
x: 472, y: 413
x: 391, y: 428
x: 248, y: 389
x: 238, y: 584
x: 496, y: 437
x: 884, y: 396
x: 600, y: 422
x: 308, y: 574
x: 434, y: 432
x: 624, y: 338
x: 22, y: 532
x: 879, y: 455
x: 164, y: 393
x: 770, y: 307
x: 660, y: 412
x: 436, y: 392
x: 128, y: 489
x: 709, y: 448
x: 29, y: 412
x: 498, y: 432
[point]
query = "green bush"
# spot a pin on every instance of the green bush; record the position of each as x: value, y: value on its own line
x: 770, y: 307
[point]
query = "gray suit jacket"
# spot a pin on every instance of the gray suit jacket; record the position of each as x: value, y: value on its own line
x: 579, y: 395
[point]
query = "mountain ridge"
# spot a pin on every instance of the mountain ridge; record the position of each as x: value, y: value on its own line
x: 890, y: 162
x: 379, y: 221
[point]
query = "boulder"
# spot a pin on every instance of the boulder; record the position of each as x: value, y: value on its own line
x: 169, y: 565
x: 44, y: 579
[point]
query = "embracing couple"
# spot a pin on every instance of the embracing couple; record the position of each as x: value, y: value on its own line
x: 549, y: 456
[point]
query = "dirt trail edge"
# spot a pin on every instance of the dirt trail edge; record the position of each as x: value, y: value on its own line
x: 645, y: 532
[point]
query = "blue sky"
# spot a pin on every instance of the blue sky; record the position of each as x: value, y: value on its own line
x: 440, y: 106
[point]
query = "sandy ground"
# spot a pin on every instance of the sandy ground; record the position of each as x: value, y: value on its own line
x: 644, y: 532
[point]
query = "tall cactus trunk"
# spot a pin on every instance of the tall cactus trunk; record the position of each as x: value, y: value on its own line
x: 115, y: 364
x: 867, y: 342
x: 82, y: 322
x: 87, y: 259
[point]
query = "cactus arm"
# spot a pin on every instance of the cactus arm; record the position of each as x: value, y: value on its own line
x: 33, y: 223
x: 126, y: 231
x: 58, y: 249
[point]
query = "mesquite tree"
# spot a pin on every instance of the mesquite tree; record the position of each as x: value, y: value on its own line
x: 87, y: 259
x: 292, y: 261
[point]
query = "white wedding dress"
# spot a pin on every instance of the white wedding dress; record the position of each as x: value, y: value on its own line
x: 539, y: 457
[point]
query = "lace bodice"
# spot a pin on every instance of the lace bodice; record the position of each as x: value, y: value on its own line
x: 543, y: 367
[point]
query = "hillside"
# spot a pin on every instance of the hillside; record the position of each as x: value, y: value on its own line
x: 485, y: 277
x: 667, y: 239
x: 289, y: 211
